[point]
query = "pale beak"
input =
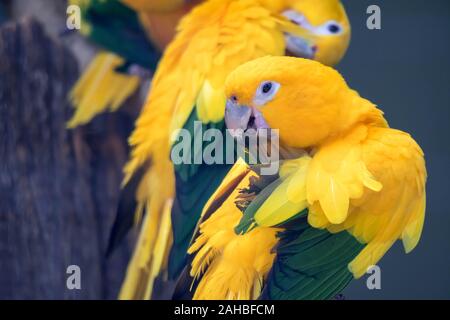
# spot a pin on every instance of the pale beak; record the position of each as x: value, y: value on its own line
x: 300, y: 41
x: 299, y: 47
x: 240, y: 117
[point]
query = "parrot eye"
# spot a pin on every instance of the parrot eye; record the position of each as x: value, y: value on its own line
x: 334, y: 28
x: 267, y: 87
x: 330, y: 28
x: 266, y: 92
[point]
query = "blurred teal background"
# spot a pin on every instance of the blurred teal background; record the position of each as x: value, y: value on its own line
x: 405, y: 69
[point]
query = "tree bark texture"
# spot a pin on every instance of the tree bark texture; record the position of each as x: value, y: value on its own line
x: 58, y: 188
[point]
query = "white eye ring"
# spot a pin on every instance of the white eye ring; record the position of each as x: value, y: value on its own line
x: 330, y: 28
x: 265, y: 92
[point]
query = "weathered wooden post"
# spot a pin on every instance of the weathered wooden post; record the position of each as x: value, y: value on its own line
x: 58, y: 188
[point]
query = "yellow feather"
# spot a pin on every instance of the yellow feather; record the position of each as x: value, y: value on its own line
x: 137, y: 281
x: 236, y: 173
x: 411, y: 234
x: 231, y: 266
x: 150, y: 256
x: 101, y: 88
x: 163, y: 242
x: 277, y: 208
x: 390, y: 205
x: 210, y: 103
x: 288, y: 199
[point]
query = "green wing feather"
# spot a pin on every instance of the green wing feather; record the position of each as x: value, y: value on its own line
x: 311, y: 264
x: 116, y: 28
x: 194, y: 186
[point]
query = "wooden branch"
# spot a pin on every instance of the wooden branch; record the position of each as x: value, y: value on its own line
x: 58, y: 188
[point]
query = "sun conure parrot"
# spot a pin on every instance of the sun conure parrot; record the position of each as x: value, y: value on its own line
x: 133, y: 34
x: 214, y: 39
x: 351, y: 187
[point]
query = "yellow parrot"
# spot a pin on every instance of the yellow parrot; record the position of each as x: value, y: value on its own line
x: 188, y: 87
x: 351, y: 187
x: 133, y: 34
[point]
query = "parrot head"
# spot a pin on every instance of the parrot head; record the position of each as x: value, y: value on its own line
x: 305, y: 100
x: 327, y: 30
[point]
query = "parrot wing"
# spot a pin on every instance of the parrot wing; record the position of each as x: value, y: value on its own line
x: 107, y: 82
x: 116, y: 28
x: 371, y: 183
x: 233, y: 258
x: 194, y: 185
x: 310, y: 264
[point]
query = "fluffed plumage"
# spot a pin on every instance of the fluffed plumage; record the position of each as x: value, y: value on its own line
x: 360, y: 187
x: 189, y: 84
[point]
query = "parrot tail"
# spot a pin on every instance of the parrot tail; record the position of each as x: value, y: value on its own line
x: 154, y: 198
x: 150, y: 255
x: 101, y: 87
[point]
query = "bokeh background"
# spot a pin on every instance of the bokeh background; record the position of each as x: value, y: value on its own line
x: 404, y: 68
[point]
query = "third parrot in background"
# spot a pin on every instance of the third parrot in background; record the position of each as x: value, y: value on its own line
x: 132, y: 33
x: 189, y: 86
x: 350, y: 188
